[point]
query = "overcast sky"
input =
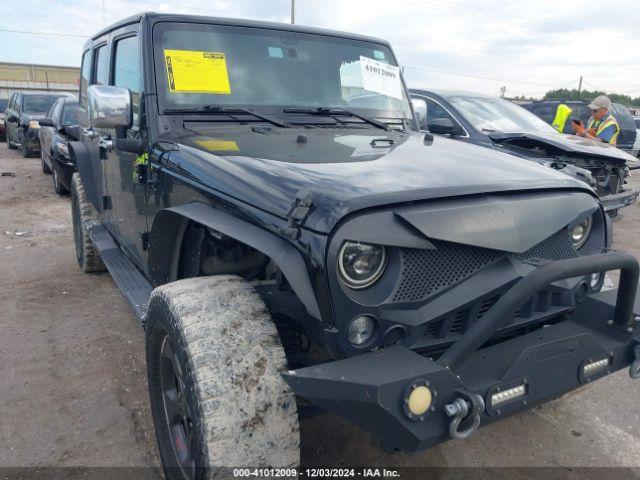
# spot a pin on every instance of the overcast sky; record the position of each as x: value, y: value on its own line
x: 528, y: 47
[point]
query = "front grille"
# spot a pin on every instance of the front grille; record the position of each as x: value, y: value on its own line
x: 544, y: 304
x: 427, y: 272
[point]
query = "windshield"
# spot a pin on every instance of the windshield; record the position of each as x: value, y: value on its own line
x: 498, y: 115
x: 73, y: 115
x: 199, y: 65
x: 38, y: 103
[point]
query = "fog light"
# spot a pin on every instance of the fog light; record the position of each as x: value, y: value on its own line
x: 597, y: 366
x: 360, y: 330
x: 419, y: 400
x: 507, y: 395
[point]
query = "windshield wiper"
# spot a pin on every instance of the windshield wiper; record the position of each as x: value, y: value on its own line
x: 215, y: 109
x: 328, y: 111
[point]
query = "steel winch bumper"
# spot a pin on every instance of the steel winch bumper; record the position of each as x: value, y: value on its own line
x: 470, y: 387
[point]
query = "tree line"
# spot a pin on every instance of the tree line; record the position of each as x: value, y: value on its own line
x: 572, y: 94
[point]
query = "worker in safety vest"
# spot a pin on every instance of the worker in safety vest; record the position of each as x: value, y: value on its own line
x: 562, y: 115
x: 602, y: 126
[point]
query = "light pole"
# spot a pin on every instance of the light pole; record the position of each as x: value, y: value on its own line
x: 293, y: 12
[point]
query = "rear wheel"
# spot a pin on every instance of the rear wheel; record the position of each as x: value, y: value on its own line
x: 213, y: 365
x: 83, y: 215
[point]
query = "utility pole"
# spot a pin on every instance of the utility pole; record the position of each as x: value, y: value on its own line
x: 293, y: 12
x: 579, y: 87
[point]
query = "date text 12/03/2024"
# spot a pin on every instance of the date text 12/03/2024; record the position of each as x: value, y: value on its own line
x: 287, y: 473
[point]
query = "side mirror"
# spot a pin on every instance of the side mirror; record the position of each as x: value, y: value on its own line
x: 12, y: 117
x: 46, y: 122
x: 443, y: 126
x: 109, y: 107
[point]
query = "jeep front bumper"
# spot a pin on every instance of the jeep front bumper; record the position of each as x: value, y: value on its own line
x: 470, y: 387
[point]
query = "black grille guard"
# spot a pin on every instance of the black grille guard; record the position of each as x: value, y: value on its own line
x: 502, y: 313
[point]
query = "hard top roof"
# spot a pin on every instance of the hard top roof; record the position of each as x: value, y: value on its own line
x: 239, y: 22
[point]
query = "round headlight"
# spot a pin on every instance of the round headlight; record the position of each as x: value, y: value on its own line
x: 580, y: 233
x: 361, y: 264
x: 360, y: 330
x: 34, y: 124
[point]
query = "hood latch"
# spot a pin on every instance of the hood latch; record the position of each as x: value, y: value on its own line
x: 296, y: 216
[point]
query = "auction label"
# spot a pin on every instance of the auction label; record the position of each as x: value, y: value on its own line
x: 191, y: 71
x: 380, y: 77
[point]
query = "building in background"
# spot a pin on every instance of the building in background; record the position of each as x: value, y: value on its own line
x: 30, y: 77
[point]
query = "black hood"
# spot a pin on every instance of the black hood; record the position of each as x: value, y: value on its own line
x: 570, y: 145
x: 343, y: 170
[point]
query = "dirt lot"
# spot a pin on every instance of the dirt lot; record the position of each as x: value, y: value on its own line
x: 72, y: 372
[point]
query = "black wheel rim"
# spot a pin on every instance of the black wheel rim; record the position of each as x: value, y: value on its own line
x: 176, y: 409
x: 77, y: 229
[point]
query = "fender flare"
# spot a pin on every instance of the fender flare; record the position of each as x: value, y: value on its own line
x: 165, y: 239
x: 90, y: 169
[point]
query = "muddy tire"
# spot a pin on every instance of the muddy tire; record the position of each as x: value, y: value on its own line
x: 83, y: 215
x: 213, y: 365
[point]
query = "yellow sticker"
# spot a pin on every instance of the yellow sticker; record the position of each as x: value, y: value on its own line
x: 197, y: 72
x: 218, y: 145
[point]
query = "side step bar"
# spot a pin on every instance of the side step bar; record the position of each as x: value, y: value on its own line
x: 135, y: 288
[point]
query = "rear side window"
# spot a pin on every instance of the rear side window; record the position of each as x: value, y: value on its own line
x: 102, y: 66
x: 127, y: 70
x: 85, y: 78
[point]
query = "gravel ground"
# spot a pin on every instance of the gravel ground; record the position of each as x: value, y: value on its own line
x: 72, y: 372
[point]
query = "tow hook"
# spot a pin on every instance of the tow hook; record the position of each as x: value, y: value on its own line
x: 465, y: 410
x: 634, y: 368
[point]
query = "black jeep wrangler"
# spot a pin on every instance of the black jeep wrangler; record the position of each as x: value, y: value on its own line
x: 291, y: 243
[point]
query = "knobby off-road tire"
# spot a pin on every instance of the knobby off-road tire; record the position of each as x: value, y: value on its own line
x: 217, y: 337
x: 83, y: 215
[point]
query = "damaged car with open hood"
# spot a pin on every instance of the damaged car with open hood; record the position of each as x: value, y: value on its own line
x: 292, y: 244
x: 500, y: 124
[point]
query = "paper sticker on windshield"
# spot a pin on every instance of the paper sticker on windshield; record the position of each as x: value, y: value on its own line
x: 216, y: 145
x: 191, y: 71
x: 380, y: 77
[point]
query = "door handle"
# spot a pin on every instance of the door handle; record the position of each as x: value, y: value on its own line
x: 105, y: 144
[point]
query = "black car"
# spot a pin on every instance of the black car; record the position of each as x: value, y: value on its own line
x: 291, y: 243
x: 57, y: 128
x: 22, y: 116
x: 546, y: 110
x: 499, y: 124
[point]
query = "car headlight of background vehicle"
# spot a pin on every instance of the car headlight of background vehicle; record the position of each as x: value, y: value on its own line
x: 580, y: 232
x: 361, y: 264
x: 34, y: 124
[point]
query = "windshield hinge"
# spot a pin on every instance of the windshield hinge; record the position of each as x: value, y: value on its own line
x: 298, y: 212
